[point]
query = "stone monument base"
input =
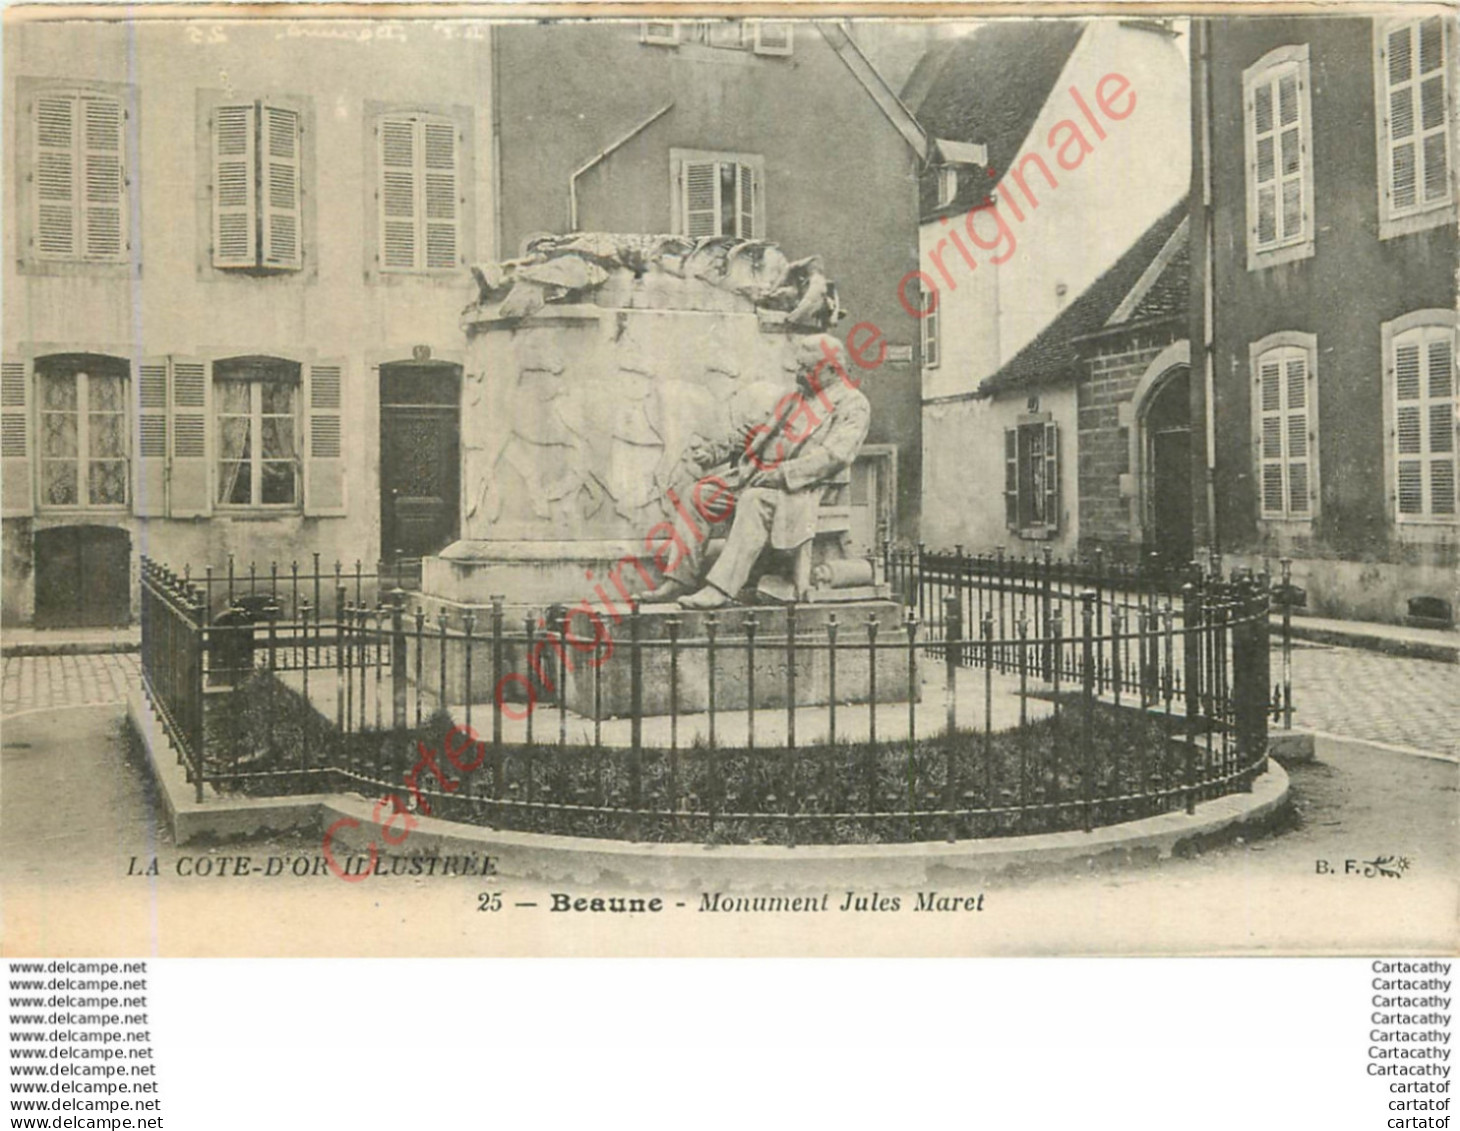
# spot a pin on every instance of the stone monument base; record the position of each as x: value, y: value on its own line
x: 606, y: 690
x: 470, y: 573
x: 773, y: 660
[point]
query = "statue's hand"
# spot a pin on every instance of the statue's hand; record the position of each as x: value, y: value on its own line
x: 773, y: 479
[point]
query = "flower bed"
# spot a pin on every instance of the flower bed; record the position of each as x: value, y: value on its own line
x: 1052, y: 774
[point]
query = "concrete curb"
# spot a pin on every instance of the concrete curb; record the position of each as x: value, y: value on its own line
x: 70, y: 648
x: 1374, y: 642
x: 582, y: 860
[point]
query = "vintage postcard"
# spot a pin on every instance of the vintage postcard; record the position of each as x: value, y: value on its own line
x: 682, y: 482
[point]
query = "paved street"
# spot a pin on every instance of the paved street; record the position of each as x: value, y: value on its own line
x: 1356, y: 803
x: 1379, y: 698
x: 37, y: 682
x: 64, y: 868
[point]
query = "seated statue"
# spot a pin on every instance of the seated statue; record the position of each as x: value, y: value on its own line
x: 812, y: 439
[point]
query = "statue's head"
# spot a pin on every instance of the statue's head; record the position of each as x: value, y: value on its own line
x: 823, y: 356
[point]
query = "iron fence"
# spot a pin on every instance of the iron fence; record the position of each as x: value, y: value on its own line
x: 997, y: 697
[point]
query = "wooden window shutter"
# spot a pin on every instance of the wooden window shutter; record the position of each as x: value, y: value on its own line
x: 17, y: 445
x: 1011, y: 478
x: 1270, y: 435
x: 57, y: 234
x: 442, y: 213
x: 1052, y: 475
x: 1297, y: 441
x: 189, y: 431
x: 235, y: 211
x: 103, y: 178
x: 398, y: 193
x: 1403, y: 156
x: 149, y: 493
x: 324, y: 462
x: 1434, y: 77
x: 1425, y: 424
x: 1409, y: 425
x: 1441, y: 424
x: 749, y: 204
x: 281, y: 185
x: 699, y: 198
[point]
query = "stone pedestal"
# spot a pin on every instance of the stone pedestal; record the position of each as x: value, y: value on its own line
x: 471, y: 573
x: 771, y: 660
x: 589, y: 432
x: 603, y: 656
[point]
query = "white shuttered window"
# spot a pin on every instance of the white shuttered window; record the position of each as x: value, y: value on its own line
x: 1415, y: 145
x: 718, y: 194
x: 1286, y: 431
x: 79, y: 179
x: 1279, y: 152
x: 1423, y: 422
x: 419, y: 193
x: 258, y: 186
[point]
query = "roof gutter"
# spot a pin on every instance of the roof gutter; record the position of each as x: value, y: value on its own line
x: 602, y: 155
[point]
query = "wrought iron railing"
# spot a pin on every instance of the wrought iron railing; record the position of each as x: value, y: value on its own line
x: 998, y: 698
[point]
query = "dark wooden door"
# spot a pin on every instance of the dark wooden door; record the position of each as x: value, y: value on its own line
x: 82, y: 577
x: 1171, y: 486
x: 420, y: 491
x: 1168, y: 431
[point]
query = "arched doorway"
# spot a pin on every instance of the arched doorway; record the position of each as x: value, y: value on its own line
x: 1166, y: 459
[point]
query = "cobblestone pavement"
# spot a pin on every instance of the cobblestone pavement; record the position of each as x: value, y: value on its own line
x: 1369, y: 695
x: 35, y: 682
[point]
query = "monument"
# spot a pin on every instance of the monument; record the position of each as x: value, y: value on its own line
x: 626, y: 401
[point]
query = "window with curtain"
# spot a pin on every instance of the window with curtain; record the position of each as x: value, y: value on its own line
x: 256, y: 402
x: 84, y: 445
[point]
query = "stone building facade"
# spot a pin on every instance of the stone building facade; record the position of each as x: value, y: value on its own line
x: 1116, y: 364
x: 218, y: 267
x: 1327, y: 333
x: 237, y: 252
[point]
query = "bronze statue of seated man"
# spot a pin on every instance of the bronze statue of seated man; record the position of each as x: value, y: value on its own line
x: 814, y: 436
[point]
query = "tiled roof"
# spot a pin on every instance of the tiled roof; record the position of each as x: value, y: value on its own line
x: 1167, y: 296
x: 988, y: 88
x: 1050, y: 358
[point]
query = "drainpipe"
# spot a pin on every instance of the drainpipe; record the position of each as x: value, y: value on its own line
x: 1209, y: 298
x: 600, y: 155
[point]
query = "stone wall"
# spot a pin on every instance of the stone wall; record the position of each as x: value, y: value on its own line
x: 1109, y: 515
